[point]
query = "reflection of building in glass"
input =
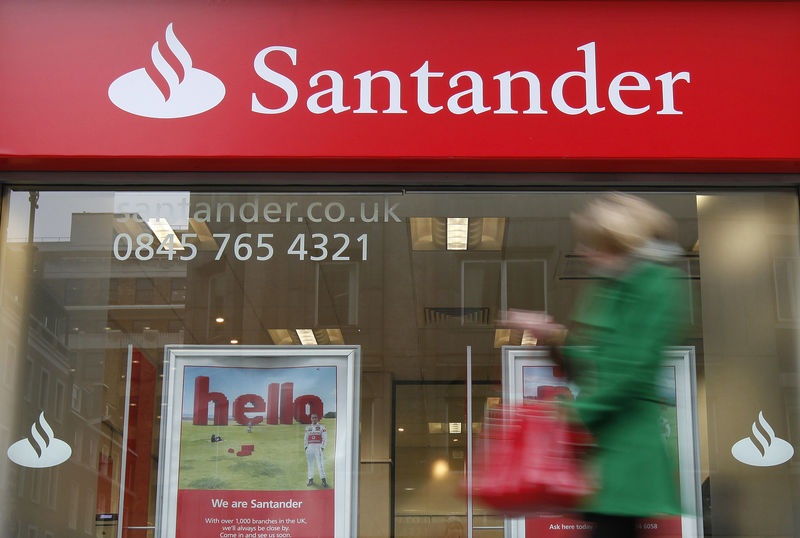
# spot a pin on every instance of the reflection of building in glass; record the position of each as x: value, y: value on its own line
x: 82, y: 311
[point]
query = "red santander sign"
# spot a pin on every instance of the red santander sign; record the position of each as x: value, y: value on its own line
x: 285, y: 85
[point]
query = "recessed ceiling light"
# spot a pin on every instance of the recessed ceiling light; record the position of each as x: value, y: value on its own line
x: 220, y: 319
x: 335, y: 336
x: 436, y: 427
x: 306, y: 337
x: 457, y: 230
x: 401, y: 429
x: 234, y: 341
x: 528, y: 338
x: 164, y: 232
x: 281, y: 337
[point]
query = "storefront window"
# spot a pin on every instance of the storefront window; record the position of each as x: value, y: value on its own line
x: 96, y: 284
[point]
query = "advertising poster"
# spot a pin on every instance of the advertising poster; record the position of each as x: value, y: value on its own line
x: 259, y: 442
x: 529, y: 375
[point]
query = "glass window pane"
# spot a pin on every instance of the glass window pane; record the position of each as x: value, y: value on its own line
x: 94, y: 285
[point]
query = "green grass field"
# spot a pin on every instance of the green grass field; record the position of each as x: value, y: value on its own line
x: 278, y: 462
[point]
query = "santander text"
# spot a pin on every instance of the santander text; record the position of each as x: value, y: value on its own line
x: 470, y: 97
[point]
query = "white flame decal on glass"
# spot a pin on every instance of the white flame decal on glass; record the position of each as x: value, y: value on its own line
x: 44, y: 451
x: 196, y: 92
x: 767, y: 451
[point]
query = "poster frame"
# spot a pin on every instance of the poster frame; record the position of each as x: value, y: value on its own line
x: 345, y: 358
x: 682, y: 358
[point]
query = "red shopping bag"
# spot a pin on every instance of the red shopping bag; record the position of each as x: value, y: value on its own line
x: 528, y: 460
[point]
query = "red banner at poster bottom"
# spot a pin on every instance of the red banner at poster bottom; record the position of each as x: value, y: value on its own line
x: 562, y: 527
x: 254, y: 514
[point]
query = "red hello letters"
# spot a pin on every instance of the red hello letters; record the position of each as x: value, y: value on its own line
x: 281, y: 407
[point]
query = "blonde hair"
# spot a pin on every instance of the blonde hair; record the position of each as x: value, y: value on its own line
x: 621, y: 223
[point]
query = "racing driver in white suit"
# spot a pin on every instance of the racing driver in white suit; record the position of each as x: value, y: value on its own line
x: 315, y: 439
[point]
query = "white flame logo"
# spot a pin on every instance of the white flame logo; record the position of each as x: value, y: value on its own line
x: 45, y: 451
x: 196, y: 92
x: 771, y: 450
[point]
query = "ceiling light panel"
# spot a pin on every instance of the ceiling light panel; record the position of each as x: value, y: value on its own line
x: 162, y: 230
x: 457, y: 233
x: 306, y: 337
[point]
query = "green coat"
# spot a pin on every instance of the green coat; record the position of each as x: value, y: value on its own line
x: 615, y: 346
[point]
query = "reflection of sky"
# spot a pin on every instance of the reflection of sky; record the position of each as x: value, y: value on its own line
x: 53, y: 220
x: 233, y: 382
x: 535, y: 376
x: 173, y: 206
